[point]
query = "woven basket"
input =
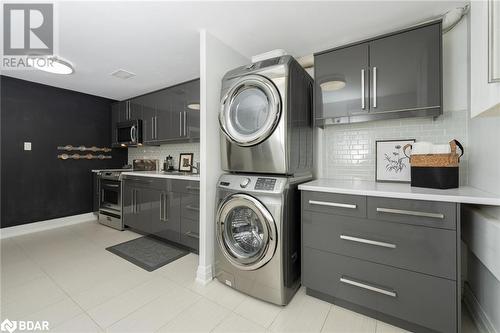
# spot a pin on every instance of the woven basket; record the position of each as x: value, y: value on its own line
x: 435, y: 170
x: 436, y: 160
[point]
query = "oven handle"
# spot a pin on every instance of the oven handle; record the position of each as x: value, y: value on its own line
x: 133, y: 137
x: 111, y: 185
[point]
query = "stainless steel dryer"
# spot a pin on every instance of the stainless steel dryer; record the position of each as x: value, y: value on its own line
x: 266, y: 118
x: 258, y: 235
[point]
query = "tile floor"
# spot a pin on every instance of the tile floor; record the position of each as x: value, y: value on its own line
x: 67, y: 277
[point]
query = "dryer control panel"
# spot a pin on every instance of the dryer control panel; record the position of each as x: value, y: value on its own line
x: 265, y: 184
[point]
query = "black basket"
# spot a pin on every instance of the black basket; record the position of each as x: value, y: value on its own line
x: 435, y: 177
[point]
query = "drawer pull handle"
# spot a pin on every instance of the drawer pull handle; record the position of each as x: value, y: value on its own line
x: 192, y: 234
x: 410, y: 212
x: 368, y: 241
x: 332, y: 204
x: 368, y: 287
x: 193, y: 208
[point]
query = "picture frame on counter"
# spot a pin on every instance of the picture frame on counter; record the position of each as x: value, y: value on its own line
x: 391, y: 164
x: 186, y: 162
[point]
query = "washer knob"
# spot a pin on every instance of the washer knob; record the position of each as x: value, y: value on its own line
x: 244, y: 183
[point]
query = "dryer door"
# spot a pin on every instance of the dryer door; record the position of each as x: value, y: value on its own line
x: 246, y: 232
x: 250, y: 110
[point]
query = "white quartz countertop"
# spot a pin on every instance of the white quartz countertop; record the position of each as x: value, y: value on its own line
x: 463, y: 194
x: 160, y: 174
x: 99, y: 170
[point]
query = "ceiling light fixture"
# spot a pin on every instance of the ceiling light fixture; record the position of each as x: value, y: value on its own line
x: 194, y: 106
x: 54, y: 65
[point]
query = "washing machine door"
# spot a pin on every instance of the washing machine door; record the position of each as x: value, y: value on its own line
x: 246, y: 232
x: 250, y: 111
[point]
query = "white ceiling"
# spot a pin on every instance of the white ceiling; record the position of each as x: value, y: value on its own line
x: 159, y: 41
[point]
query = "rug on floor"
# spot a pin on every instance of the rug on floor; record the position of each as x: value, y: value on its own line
x: 148, y: 252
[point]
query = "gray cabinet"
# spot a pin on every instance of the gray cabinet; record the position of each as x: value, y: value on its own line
x: 168, y: 115
x: 386, y: 258
x: 406, y: 70
x: 166, y: 208
x: 166, y: 215
x: 137, y: 207
x: 392, y: 76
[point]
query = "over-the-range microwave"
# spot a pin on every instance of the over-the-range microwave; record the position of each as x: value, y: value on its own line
x: 129, y: 133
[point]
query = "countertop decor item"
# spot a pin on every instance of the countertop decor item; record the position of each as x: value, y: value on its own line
x: 437, y: 169
x: 391, y: 164
x: 186, y: 162
x: 83, y: 157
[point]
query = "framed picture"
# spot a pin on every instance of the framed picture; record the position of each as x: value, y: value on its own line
x: 186, y: 162
x: 391, y: 164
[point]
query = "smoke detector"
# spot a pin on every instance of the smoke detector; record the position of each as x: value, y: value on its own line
x: 122, y: 74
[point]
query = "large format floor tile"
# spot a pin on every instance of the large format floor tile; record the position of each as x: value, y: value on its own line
x: 67, y: 277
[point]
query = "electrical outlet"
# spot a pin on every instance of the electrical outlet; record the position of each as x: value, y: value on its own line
x: 27, y: 146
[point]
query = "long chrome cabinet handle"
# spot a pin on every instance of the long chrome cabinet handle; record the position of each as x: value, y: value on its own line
x: 161, y: 206
x: 363, y: 89
x: 165, y: 210
x: 180, y: 123
x: 368, y: 287
x: 374, y: 87
x: 156, y: 127
x: 185, y: 123
x: 367, y: 241
x: 333, y: 204
x: 410, y: 212
x: 152, y: 127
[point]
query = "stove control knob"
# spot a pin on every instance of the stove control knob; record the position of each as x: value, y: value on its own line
x: 244, y: 183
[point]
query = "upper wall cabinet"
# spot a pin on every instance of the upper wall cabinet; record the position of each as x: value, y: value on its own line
x: 484, y: 58
x: 168, y: 115
x: 392, y: 76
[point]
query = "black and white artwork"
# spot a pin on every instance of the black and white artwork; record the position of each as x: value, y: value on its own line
x: 391, y: 163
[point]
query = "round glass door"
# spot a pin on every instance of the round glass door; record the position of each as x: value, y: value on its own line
x: 246, y: 232
x: 250, y: 110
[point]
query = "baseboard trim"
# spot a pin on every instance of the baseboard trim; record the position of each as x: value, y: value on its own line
x: 478, y: 315
x: 204, y: 274
x: 29, y: 228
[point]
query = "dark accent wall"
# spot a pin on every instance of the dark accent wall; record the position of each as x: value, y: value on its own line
x: 36, y: 185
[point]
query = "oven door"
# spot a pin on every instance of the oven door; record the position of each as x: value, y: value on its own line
x: 110, y: 198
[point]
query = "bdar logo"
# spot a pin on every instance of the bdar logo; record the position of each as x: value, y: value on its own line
x: 9, y: 326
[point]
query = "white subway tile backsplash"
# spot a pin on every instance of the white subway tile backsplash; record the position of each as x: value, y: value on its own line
x: 349, y: 150
x: 162, y: 151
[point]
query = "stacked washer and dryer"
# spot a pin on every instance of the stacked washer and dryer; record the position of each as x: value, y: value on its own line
x: 267, y: 150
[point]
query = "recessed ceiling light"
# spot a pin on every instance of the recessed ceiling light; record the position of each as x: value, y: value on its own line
x: 122, y: 74
x: 54, y: 65
x: 194, y: 106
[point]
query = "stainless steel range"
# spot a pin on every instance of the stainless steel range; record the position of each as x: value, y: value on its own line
x: 110, y: 199
x: 110, y: 192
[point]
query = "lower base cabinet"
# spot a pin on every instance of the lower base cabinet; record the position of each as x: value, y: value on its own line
x: 396, y: 260
x: 166, y: 208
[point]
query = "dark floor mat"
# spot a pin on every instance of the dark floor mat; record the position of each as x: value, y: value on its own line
x: 147, y: 252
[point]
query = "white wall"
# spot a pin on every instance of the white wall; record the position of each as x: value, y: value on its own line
x: 216, y: 58
x: 485, y: 97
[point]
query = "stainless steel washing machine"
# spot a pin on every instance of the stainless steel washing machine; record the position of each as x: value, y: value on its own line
x: 266, y: 118
x: 258, y: 235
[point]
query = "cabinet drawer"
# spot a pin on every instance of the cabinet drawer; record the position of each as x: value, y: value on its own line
x: 417, y: 298
x: 418, y: 212
x: 186, y: 186
x: 426, y: 250
x: 190, y: 233
x: 146, y: 182
x: 331, y: 203
x: 190, y: 206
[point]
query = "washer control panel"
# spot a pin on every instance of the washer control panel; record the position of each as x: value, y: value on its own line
x: 265, y: 184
